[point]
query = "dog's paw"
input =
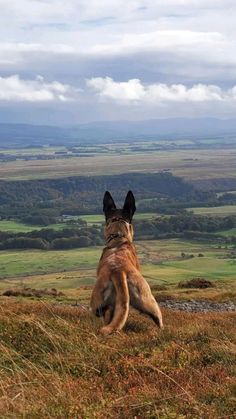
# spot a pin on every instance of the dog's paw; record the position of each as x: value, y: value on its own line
x: 108, y: 330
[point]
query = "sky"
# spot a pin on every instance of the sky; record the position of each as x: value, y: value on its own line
x: 89, y: 60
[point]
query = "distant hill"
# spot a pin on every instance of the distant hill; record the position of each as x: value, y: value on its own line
x: 84, y: 194
x: 35, y: 135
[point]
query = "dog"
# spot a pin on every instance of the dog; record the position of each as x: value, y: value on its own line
x: 119, y: 280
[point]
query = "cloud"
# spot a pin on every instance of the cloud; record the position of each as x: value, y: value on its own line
x: 183, y: 37
x: 171, y: 41
x: 82, y: 10
x: 178, y: 54
x: 17, y: 90
x: 183, y: 53
x: 134, y: 91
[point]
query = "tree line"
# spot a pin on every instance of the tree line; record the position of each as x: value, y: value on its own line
x: 187, y: 225
x: 47, y: 239
x: 83, y: 194
x: 167, y: 226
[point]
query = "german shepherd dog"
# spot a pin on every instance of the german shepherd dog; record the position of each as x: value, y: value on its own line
x: 119, y: 280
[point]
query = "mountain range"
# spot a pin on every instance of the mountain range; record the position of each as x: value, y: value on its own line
x: 110, y: 131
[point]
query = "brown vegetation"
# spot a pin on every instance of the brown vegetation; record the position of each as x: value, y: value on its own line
x: 196, y: 283
x: 54, y: 365
x: 32, y: 292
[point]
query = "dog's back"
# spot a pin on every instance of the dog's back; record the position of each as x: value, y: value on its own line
x: 119, y: 280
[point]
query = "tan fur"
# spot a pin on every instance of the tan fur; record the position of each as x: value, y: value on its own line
x: 120, y: 282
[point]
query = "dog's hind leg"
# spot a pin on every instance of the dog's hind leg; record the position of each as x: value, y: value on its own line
x: 151, y: 308
x: 142, y: 299
x: 121, y: 309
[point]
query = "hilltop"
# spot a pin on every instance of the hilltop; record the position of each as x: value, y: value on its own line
x: 55, y: 365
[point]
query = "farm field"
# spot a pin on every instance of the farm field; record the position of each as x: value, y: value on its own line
x: 221, y: 211
x: 17, y: 227
x: 112, y: 148
x: 99, y: 218
x: 219, y: 194
x: 21, y: 263
x: 190, y: 164
x: 44, y: 150
x: 229, y: 233
x: 161, y: 260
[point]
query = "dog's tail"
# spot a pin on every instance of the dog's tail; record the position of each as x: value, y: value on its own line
x: 119, y: 280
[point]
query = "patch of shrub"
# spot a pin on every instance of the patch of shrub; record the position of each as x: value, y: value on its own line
x: 196, y: 283
x: 32, y: 292
x: 158, y: 287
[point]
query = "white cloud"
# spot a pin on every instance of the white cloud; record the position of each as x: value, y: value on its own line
x: 125, y: 91
x: 169, y: 45
x: 134, y: 91
x: 183, y: 32
x: 160, y: 41
x: 80, y: 10
x: 184, y: 46
x: 17, y: 90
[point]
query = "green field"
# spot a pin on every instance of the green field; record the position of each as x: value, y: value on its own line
x: 44, y: 150
x: 17, y: 227
x: 21, y: 263
x: 228, y: 233
x: 219, y: 194
x: 208, y: 267
x: 98, y: 219
x: 219, y: 211
x: 160, y: 259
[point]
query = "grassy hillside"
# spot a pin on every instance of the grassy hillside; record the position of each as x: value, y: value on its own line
x: 22, y: 263
x: 84, y: 194
x: 221, y: 211
x: 54, y: 365
x: 162, y: 262
x: 98, y: 219
x: 17, y: 227
x: 229, y: 233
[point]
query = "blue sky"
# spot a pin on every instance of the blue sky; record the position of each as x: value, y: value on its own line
x: 79, y: 61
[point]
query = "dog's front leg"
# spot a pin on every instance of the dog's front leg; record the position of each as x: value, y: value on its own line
x: 107, y: 315
x: 97, y: 299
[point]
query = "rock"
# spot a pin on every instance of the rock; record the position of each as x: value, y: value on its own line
x: 198, y: 306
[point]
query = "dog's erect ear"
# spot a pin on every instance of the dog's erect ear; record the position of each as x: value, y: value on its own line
x: 129, y: 205
x: 108, y: 203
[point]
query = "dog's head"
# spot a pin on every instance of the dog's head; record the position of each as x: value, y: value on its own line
x: 118, y: 221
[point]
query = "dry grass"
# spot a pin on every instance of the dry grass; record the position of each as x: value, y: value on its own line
x: 220, y: 163
x: 54, y: 365
x: 32, y: 292
x: 201, y: 283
